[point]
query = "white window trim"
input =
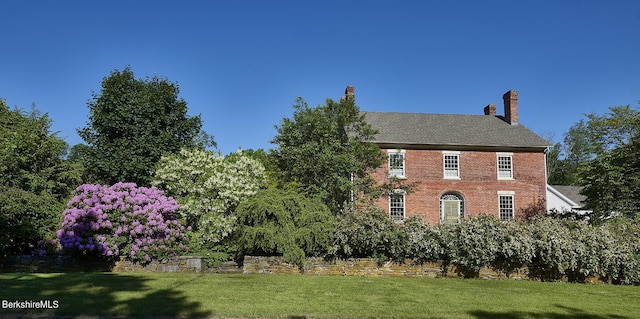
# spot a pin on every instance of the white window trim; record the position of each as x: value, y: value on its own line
x: 404, y: 163
x: 403, y: 194
x: 444, y: 171
x: 513, y: 203
x: 498, y: 155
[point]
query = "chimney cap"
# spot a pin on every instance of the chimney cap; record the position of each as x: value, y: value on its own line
x: 512, y: 94
x: 350, y: 90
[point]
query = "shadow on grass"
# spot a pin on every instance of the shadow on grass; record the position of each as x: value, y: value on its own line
x: 567, y: 313
x: 97, y: 294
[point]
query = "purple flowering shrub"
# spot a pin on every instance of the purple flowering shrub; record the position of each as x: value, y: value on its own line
x: 122, y: 220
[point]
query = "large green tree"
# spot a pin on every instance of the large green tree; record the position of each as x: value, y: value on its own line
x: 612, y: 180
x: 602, y: 154
x: 31, y: 157
x: 132, y: 123
x: 324, y: 149
x: 594, y: 136
x: 35, y: 179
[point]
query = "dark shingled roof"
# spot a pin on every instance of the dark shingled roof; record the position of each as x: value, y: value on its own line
x: 451, y: 130
x: 572, y: 193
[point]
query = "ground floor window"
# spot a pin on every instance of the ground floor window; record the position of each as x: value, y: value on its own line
x: 396, y: 206
x: 506, y: 207
x: 451, y: 208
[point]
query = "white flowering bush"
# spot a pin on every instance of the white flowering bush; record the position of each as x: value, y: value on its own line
x: 591, y: 245
x: 477, y: 243
x: 551, y: 249
x: 209, y: 187
x: 368, y: 233
x: 515, y: 248
x: 422, y: 241
x: 622, y: 260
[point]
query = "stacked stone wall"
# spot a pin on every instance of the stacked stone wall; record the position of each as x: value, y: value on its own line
x: 48, y: 264
x: 363, y: 267
x: 366, y: 267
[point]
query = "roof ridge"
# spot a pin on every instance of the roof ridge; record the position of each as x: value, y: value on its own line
x: 421, y: 113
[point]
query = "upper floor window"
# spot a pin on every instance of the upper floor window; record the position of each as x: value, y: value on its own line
x: 505, y: 166
x: 451, y: 164
x: 396, y: 205
x: 506, y: 207
x: 396, y: 163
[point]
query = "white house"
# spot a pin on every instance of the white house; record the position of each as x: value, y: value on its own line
x: 563, y: 198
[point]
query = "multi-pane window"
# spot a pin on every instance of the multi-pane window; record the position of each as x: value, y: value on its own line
x: 505, y: 167
x: 451, y: 165
x: 451, y: 208
x: 396, y: 164
x: 506, y: 207
x: 396, y: 206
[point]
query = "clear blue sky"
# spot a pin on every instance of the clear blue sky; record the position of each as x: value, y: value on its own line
x: 241, y: 64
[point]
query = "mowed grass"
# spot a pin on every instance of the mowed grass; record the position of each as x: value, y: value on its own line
x: 295, y: 296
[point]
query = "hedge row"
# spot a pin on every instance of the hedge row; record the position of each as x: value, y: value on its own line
x: 551, y: 249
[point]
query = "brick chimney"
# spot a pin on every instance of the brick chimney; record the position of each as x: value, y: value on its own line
x: 348, y: 93
x: 490, y: 110
x: 511, y: 107
x: 350, y: 90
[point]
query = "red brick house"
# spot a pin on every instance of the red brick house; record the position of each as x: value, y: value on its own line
x: 461, y: 165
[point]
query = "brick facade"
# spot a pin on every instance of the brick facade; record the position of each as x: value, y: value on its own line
x: 478, y: 184
x: 494, y: 165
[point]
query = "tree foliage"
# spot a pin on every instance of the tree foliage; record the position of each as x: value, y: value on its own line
x: 26, y: 219
x: 35, y: 179
x: 323, y: 149
x: 32, y: 158
x: 594, y: 136
x: 208, y: 188
x: 601, y: 154
x: 611, y: 181
x: 556, y: 169
x: 284, y: 222
x: 132, y: 123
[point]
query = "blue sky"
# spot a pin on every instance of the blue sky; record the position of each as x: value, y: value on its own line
x: 241, y: 64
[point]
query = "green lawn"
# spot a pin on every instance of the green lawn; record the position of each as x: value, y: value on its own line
x: 295, y: 296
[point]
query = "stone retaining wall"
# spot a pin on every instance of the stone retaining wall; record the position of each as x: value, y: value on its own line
x: 47, y: 264
x: 251, y: 265
x: 366, y: 267
x: 361, y: 267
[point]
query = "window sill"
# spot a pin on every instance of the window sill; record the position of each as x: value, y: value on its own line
x: 398, y: 176
x: 451, y: 178
x: 505, y: 178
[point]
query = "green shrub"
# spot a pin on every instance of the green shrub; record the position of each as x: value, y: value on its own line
x: 551, y: 249
x: 515, y: 248
x: 622, y: 261
x: 477, y: 242
x: 26, y: 219
x: 284, y: 222
x: 422, y: 241
x: 369, y: 233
